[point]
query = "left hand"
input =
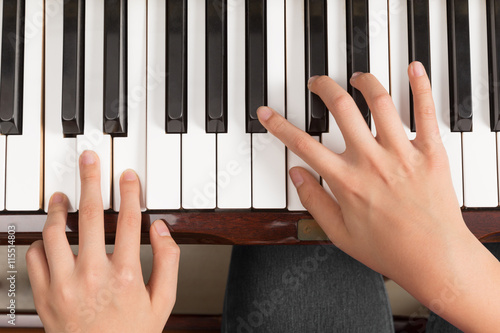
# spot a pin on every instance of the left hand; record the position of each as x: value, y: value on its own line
x: 95, y: 291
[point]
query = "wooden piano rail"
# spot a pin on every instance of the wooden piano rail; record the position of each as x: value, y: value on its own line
x: 219, y: 227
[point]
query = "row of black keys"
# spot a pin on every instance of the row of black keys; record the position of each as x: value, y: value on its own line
x: 115, y: 63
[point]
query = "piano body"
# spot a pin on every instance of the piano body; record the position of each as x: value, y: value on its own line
x: 170, y: 89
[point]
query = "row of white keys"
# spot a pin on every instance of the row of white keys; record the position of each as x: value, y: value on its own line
x: 452, y: 141
x: 296, y: 85
x: 479, y: 146
x: 23, y: 164
x: 337, y: 68
x: 163, y: 183
x: 130, y: 152
x: 198, y: 147
x: 268, y: 153
x: 61, y: 159
x: 234, y: 182
x: 93, y: 137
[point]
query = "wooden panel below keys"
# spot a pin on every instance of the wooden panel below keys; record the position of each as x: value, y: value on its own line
x: 229, y: 227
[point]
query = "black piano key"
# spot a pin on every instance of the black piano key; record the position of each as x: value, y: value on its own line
x: 358, y: 49
x: 176, y: 65
x: 73, y: 67
x: 115, y: 67
x: 216, y: 67
x: 459, y: 66
x: 256, y: 63
x: 11, y: 85
x: 418, y: 41
x: 493, y: 17
x: 316, y: 63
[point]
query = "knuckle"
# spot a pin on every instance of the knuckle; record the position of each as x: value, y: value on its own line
x: 90, y: 211
x: 33, y: 251
x: 126, y: 275
x: 90, y: 175
x: 427, y: 112
x: 342, y: 103
x: 422, y: 89
x: 306, y: 197
x: 130, y: 218
x: 92, y: 279
x: 50, y: 232
x: 301, y: 143
x: 381, y: 101
x: 279, y: 125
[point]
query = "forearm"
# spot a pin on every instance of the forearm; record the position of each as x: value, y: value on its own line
x: 460, y: 281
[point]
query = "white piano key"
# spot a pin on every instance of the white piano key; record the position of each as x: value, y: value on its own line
x: 337, y: 68
x: 130, y: 152
x: 440, y: 90
x: 163, y: 184
x: 198, y: 147
x: 93, y: 137
x: 400, y: 86
x: 268, y: 153
x: 234, y: 185
x: 23, y: 180
x: 61, y: 159
x: 296, y: 88
x: 379, y: 41
x: 479, y: 146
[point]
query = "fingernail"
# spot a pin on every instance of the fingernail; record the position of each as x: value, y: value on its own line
x: 161, y: 228
x: 418, y: 69
x: 264, y: 113
x: 129, y: 175
x: 312, y: 79
x: 88, y: 157
x: 57, y: 198
x: 297, y: 179
x: 355, y: 75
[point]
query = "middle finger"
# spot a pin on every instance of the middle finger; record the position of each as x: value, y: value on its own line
x: 91, y: 214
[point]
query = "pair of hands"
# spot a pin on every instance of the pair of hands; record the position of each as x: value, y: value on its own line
x: 396, y: 211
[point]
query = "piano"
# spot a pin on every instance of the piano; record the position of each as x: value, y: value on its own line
x: 171, y: 88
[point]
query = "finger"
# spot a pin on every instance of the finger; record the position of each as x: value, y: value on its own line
x: 163, y: 280
x: 91, y: 214
x: 321, y: 206
x: 425, y: 112
x: 387, y: 121
x: 128, y: 230
x: 60, y: 258
x: 344, y: 110
x: 302, y: 144
x: 38, y: 268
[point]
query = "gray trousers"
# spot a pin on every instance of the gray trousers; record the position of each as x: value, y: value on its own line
x: 308, y: 288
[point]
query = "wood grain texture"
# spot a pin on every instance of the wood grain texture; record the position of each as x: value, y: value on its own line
x: 219, y: 227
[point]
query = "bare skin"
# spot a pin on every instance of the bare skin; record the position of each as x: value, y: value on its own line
x: 95, y: 291
x: 396, y: 209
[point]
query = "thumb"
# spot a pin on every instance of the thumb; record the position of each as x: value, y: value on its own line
x: 163, y: 280
x: 325, y: 210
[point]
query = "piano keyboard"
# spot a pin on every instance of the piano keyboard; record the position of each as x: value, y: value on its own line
x: 171, y: 88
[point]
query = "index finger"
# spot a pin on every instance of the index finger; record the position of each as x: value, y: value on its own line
x: 311, y: 151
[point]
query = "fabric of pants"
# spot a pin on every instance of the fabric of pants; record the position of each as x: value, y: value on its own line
x: 309, y: 288
x: 303, y: 288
